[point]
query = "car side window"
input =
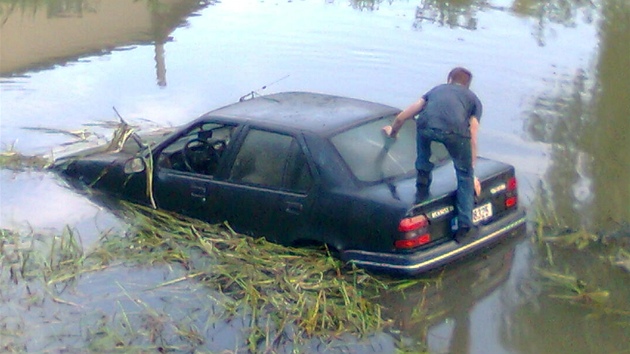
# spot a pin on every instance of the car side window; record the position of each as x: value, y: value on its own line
x: 199, y: 150
x: 271, y: 160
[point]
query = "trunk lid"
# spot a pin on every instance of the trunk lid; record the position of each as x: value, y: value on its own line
x: 433, y: 219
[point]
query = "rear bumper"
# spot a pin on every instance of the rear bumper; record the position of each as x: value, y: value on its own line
x: 428, y: 259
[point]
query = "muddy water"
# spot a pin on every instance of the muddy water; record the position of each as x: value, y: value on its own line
x: 552, y: 76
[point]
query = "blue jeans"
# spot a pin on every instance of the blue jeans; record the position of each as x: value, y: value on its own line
x: 461, y: 153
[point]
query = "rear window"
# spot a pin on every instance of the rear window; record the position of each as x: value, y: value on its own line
x: 372, y: 156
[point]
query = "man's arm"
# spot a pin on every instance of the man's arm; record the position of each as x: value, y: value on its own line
x: 409, y: 112
x: 474, y: 129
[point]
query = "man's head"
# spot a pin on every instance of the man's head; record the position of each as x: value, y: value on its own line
x: 460, y: 76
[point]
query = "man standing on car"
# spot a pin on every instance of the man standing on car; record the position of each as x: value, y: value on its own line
x: 449, y: 114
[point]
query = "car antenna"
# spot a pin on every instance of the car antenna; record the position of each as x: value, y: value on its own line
x: 134, y: 135
x: 253, y: 94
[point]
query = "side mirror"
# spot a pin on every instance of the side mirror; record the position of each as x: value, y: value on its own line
x: 134, y: 165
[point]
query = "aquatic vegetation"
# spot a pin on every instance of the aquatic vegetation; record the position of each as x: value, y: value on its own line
x: 13, y: 160
x: 573, y: 289
x: 572, y: 263
x: 621, y: 259
x: 281, y: 293
x: 306, y: 287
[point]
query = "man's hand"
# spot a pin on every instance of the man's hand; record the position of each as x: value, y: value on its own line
x: 392, y: 130
x: 388, y: 131
x: 477, y: 187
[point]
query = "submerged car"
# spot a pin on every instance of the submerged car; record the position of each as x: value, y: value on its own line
x: 306, y: 168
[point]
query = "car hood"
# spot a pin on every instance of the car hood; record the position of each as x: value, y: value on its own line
x: 110, y: 152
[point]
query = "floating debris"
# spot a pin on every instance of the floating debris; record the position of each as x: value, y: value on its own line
x: 622, y: 259
x: 306, y: 287
x: 13, y: 160
x: 573, y: 288
x: 285, y: 293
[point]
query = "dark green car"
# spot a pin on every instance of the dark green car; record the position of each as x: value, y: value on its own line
x: 302, y: 168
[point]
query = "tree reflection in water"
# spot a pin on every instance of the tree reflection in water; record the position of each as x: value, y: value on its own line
x: 463, y: 13
x: 585, y: 122
x: 563, y: 12
x: 88, y: 27
x: 457, y: 13
x: 584, y: 119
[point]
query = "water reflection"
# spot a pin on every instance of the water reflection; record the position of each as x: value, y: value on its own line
x: 546, y: 13
x: 583, y: 117
x: 31, y: 201
x: 439, y: 311
x: 464, y: 13
x: 368, y: 5
x: 46, y: 33
x: 458, y: 13
x: 609, y: 137
x: 553, y: 319
x: 585, y: 121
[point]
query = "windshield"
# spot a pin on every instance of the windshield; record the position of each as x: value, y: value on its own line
x: 372, y: 156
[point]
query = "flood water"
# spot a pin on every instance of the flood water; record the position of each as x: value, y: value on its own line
x: 552, y: 75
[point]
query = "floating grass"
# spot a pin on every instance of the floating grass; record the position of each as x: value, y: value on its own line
x: 570, y: 287
x: 578, y: 239
x: 285, y: 293
x: 13, y: 160
x: 53, y: 260
x: 551, y: 233
x: 303, y: 287
x: 621, y: 258
x: 571, y: 259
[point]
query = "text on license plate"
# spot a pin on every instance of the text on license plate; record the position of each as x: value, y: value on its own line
x: 482, y: 213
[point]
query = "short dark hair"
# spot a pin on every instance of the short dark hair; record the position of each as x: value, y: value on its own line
x: 461, y: 76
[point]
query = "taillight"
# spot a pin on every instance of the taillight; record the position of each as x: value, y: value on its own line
x: 415, y: 232
x: 511, y: 201
x: 414, y: 242
x: 413, y: 223
x: 511, y: 184
x: 511, y: 198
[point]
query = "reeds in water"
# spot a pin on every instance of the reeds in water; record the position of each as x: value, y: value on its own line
x: 304, y: 287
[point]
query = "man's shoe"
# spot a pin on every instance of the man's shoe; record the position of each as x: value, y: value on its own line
x: 464, y: 233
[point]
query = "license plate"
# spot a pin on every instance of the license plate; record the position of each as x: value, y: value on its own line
x: 482, y: 213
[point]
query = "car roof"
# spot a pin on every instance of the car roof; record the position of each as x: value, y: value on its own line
x: 309, y: 111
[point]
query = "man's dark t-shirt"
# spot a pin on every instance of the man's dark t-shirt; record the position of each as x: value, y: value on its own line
x: 448, y: 108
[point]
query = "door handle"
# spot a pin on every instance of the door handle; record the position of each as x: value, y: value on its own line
x: 294, y: 208
x: 198, y: 191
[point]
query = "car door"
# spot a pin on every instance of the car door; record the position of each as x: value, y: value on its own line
x: 268, y: 189
x: 186, y: 169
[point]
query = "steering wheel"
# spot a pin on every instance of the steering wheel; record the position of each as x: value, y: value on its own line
x: 199, y: 156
